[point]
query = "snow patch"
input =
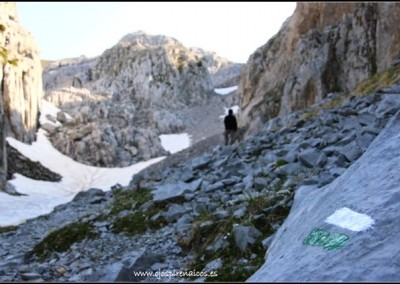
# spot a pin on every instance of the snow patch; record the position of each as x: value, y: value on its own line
x: 49, y: 109
x: 40, y: 197
x: 235, y: 110
x: 175, y: 142
x: 225, y: 91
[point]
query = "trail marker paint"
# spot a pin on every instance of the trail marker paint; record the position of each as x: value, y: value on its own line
x: 325, y: 239
x: 351, y: 220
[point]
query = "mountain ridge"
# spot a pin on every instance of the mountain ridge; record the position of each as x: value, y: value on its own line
x: 142, y: 87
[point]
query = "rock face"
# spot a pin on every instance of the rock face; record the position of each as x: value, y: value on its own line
x: 356, y: 212
x: 140, y: 88
x: 322, y: 48
x: 18, y: 163
x: 20, y: 76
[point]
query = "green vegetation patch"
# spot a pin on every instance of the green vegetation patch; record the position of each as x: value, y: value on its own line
x: 256, y: 153
x: 137, y: 223
x: 281, y: 163
x: 132, y: 224
x: 378, y: 81
x: 311, y: 114
x: 337, y: 101
x: 61, y: 239
x: 262, y: 220
x: 7, y: 229
x: 231, y: 270
x: 129, y: 199
x: 237, y: 265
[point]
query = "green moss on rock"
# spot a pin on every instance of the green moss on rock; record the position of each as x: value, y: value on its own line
x: 7, y: 229
x: 128, y: 199
x: 60, y: 240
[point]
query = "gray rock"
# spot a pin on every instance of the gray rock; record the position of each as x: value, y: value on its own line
x: 370, y: 249
x: 267, y: 242
x: 351, y: 152
x: 291, y: 169
x: 221, y: 214
x: 365, y: 140
x: 215, y: 186
x: 170, y: 191
x: 107, y: 274
x: 309, y: 157
x: 189, y: 196
x: 330, y: 150
x: 341, y: 161
x: 366, y: 119
x: 239, y: 213
x: 29, y: 276
x: 220, y: 243
x: 200, y: 162
x: 213, y: 265
x: 245, y: 236
x: 142, y: 262
x: 260, y: 183
x: 50, y: 128
x: 347, y: 140
x: 175, y: 211
x: 88, y: 195
x: 3, y: 252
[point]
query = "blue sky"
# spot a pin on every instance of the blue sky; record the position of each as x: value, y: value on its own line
x: 233, y: 30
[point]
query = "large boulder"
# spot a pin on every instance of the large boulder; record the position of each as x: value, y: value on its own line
x: 347, y: 230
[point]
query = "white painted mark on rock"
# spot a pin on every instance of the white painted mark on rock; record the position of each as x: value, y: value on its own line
x: 351, y: 220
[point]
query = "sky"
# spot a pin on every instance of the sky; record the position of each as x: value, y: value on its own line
x: 40, y: 197
x: 234, y: 30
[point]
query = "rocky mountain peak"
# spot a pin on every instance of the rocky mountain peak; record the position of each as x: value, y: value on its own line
x: 143, y: 86
x: 9, y: 10
x: 147, y: 40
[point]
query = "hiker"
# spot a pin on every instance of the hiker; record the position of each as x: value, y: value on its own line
x: 230, y: 128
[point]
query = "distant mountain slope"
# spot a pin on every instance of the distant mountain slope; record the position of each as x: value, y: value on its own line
x: 144, y: 86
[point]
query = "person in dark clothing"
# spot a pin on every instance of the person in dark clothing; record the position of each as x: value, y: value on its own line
x: 230, y: 128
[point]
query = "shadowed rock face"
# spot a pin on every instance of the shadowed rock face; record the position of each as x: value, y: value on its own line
x: 322, y: 48
x: 21, y: 82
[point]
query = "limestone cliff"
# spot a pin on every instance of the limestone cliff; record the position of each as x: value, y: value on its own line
x: 21, y: 84
x: 143, y: 86
x: 322, y: 48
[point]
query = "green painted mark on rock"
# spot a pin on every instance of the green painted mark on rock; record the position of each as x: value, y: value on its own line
x: 325, y: 239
